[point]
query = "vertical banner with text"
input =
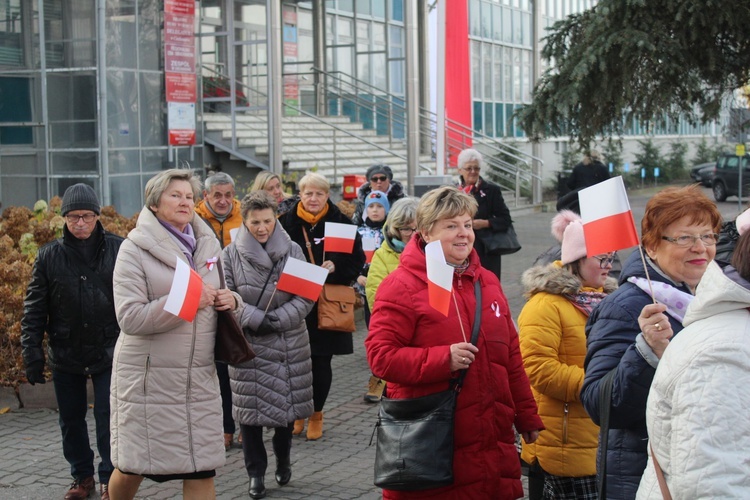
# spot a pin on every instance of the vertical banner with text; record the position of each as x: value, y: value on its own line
x: 179, y: 70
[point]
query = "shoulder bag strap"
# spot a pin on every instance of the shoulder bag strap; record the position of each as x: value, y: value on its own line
x: 475, y: 329
x: 223, y: 283
x: 660, y: 476
x: 85, y: 270
x: 308, y: 245
x: 605, y: 405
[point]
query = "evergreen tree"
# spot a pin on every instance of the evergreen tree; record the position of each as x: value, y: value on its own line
x: 638, y: 59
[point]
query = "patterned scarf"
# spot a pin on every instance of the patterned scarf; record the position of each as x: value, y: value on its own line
x: 585, y: 301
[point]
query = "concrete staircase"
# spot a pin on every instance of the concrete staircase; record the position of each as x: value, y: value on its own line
x: 333, y: 146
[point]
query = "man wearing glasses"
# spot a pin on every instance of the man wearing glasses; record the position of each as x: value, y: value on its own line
x: 379, y: 178
x: 70, y: 297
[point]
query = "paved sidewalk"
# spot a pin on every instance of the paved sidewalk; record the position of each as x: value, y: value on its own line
x: 338, y: 466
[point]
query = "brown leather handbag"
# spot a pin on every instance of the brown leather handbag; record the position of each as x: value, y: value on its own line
x: 335, y: 303
x: 231, y: 346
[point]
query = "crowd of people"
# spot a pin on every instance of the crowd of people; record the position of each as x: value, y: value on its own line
x: 609, y: 383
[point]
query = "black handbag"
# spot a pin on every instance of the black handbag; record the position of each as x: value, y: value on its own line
x: 497, y: 243
x: 231, y: 346
x: 415, y: 436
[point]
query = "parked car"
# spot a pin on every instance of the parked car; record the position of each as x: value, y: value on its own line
x: 726, y: 176
x: 703, y: 173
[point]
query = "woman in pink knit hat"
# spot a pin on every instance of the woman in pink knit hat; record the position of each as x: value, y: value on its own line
x: 553, y: 344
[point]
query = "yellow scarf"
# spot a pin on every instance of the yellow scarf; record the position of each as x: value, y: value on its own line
x: 308, y: 217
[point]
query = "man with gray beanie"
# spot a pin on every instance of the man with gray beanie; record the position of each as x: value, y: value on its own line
x: 379, y: 178
x: 70, y: 298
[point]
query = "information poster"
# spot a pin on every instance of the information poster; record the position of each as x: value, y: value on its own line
x: 179, y: 72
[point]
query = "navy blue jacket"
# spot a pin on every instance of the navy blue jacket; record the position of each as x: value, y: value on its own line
x: 610, y: 339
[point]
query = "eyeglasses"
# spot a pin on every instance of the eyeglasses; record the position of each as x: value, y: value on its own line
x: 605, y: 260
x: 689, y: 240
x: 87, y: 218
x: 406, y: 230
x: 471, y: 169
x: 380, y: 178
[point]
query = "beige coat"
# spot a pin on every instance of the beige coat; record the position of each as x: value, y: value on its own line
x: 165, y: 402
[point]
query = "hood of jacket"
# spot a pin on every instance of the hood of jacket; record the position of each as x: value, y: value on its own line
x: 721, y: 290
x: 557, y: 280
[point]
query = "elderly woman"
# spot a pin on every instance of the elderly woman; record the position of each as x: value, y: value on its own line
x: 627, y: 333
x: 275, y: 388
x: 553, y: 344
x: 398, y: 229
x: 492, y: 214
x: 271, y: 183
x: 419, y: 351
x: 696, y: 413
x: 166, y: 418
x: 306, y: 222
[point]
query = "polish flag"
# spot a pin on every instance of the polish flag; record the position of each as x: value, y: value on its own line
x: 608, y: 223
x: 339, y: 237
x: 439, y: 278
x: 185, y: 293
x: 369, y: 246
x: 302, y: 278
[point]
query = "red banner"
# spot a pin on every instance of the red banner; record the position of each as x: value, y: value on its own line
x: 181, y: 87
x: 457, y: 77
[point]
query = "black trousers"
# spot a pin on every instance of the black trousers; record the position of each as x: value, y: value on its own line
x: 222, y: 371
x: 256, y: 458
x: 322, y: 373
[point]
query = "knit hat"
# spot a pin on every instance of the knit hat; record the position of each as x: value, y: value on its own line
x: 567, y: 228
x: 80, y: 197
x: 379, y: 168
x: 378, y: 197
x: 743, y: 221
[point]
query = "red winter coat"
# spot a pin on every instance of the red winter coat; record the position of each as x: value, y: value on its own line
x: 409, y: 346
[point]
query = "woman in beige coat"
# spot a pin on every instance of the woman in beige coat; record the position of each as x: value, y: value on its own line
x: 166, y: 419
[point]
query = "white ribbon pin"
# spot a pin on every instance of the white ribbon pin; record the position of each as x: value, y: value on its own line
x: 495, y: 308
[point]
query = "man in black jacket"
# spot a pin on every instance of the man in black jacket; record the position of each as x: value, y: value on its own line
x: 379, y: 178
x: 70, y: 297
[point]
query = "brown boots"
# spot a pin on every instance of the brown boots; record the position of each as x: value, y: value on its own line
x: 299, y: 426
x: 315, y: 426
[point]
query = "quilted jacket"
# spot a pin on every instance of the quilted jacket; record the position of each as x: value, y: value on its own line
x: 165, y: 404
x: 611, y: 332
x: 274, y: 388
x: 409, y: 346
x: 553, y: 345
x: 696, y: 412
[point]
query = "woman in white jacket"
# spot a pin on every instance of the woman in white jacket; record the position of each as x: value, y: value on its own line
x: 697, y: 408
x: 165, y: 403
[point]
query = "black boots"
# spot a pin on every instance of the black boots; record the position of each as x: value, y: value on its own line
x: 283, y: 471
x: 257, y: 488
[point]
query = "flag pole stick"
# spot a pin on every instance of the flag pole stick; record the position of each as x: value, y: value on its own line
x: 270, y: 300
x: 648, y: 278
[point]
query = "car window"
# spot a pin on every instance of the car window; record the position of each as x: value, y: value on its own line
x: 731, y: 162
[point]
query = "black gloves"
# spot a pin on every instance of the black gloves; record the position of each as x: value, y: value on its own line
x: 35, y: 373
x: 268, y: 326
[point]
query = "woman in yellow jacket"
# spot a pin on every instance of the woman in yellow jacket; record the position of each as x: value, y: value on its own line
x: 399, y: 227
x: 553, y: 344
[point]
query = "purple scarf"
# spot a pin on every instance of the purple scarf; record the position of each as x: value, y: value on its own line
x: 585, y: 301
x: 184, y: 239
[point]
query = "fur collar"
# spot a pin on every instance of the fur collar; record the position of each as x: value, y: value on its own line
x: 556, y: 280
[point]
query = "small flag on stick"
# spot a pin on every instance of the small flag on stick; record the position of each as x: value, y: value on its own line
x: 302, y: 278
x: 339, y: 237
x: 439, y: 278
x: 368, y: 245
x: 608, y: 223
x: 185, y: 294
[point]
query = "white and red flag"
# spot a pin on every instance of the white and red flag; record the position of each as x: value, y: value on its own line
x: 185, y: 293
x: 302, y: 278
x: 608, y: 223
x: 369, y: 246
x: 439, y: 278
x: 339, y: 237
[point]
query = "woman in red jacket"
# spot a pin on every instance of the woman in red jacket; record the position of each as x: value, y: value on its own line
x: 419, y: 350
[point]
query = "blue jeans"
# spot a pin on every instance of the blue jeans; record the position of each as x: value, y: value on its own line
x: 70, y: 391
